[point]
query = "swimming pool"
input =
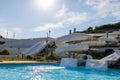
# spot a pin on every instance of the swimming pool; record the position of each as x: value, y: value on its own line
x: 53, y: 72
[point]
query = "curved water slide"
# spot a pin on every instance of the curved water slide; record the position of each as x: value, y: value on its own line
x: 36, y: 48
x: 83, y: 44
x: 117, y: 33
x: 63, y: 45
x: 94, y: 43
x: 71, y: 48
x: 111, y: 37
x: 79, y: 46
x: 72, y: 37
x: 103, y: 63
x: 108, y: 39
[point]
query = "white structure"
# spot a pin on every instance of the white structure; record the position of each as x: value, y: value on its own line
x: 76, y: 42
x: 68, y: 62
x: 36, y: 48
x: 63, y: 45
x: 94, y: 43
x: 83, y: 57
x: 103, y: 63
x: 109, y: 39
x: 72, y: 37
x: 24, y: 46
x: 71, y: 47
x: 73, y: 43
x: 80, y: 42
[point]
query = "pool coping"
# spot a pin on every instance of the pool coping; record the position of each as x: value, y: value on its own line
x: 24, y: 62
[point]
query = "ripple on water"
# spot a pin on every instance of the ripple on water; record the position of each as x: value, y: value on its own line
x: 54, y: 72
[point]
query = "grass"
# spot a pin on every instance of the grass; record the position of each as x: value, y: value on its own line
x: 14, y: 59
x: 25, y: 59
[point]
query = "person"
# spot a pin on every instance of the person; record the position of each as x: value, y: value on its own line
x: 73, y: 55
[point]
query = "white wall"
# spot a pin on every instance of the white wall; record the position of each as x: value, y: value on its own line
x: 12, y: 45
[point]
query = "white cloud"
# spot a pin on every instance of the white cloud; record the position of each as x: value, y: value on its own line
x: 71, y: 17
x: 105, y: 8
x: 48, y: 26
x: 75, y: 17
x: 9, y: 32
x: 64, y: 18
x: 61, y: 12
x: 17, y: 30
x: 6, y: 33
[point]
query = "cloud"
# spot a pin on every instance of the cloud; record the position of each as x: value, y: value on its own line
x: 64, y: 17
x: 9, y: 32
x: 6, y: 33
x: 17, y: 30
x: 75, y: 17
x: 105, y: 8
x: 60, y: 13
x: 48, y: 26
x: 71, y: 17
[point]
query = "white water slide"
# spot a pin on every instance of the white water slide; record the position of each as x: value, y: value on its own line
x: 36, y: 48
x: 103, y: 63
x: 72, y: 37
x: 84, y: 45
x: 71, y: 47
x: 64, y: 47
x: 109, y: 39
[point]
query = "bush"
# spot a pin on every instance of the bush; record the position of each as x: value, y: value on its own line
x: 94, y: 54
x: 108, y: 52
x: 1, y: 36
x: 51, y: 58
x: 4, y: 52
x: 29, y: 57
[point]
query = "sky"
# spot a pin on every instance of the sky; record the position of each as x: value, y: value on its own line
x: 34, y: 18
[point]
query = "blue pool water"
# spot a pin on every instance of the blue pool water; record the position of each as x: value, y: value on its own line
x: 54, y: 72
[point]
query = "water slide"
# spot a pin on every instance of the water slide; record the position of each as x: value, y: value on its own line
x: 83, y: 43
x: 80, y: 46
x: 71, y: 47
x: 36, y: 48
x: 103, y: 63
x: 63, y: 46
x: 72, y: 37
x: 108, y: 39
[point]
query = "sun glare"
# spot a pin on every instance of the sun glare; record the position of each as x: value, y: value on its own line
x: 45, y: 4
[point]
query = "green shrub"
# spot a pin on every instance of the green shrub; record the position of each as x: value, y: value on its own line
x: 0, y: 52
x: 4, y: 52
x: 29, y: 57
x: 94, y: 54
x: 51, y: 57
x: 108, y: 52
x: 1, y: 36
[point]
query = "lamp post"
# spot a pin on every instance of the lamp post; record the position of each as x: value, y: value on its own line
x: 47, y: 38
x: 49, y: 32
x: 18, y: 52
x: 7, y: 34
x: 47, y: 43
x: 107, y: 41
x: 14, y: 35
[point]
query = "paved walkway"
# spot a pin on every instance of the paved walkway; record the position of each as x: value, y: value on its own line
x: 23, y: 62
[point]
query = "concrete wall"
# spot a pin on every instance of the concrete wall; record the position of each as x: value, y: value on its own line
x: 15, y: 46
x: 8, y: 56
x: 20, y: 43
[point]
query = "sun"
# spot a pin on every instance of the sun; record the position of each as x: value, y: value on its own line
x: 45, y: 4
